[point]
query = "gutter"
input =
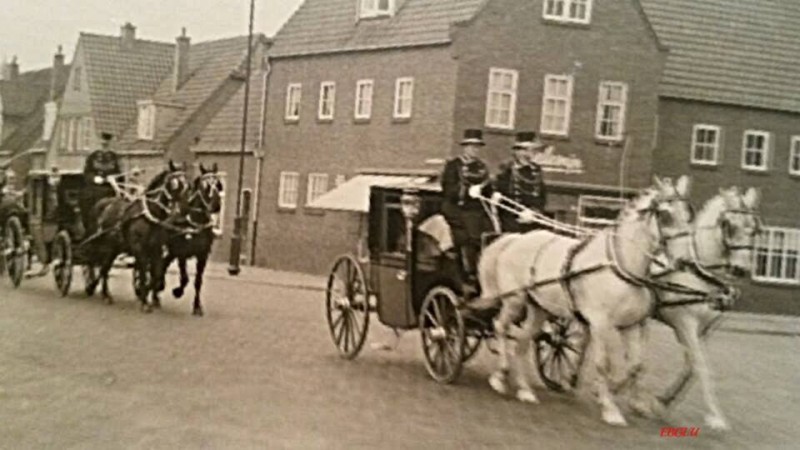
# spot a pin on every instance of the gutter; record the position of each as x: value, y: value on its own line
x: 259, y: 153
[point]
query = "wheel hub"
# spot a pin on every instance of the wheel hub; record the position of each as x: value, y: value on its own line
x: 438, y: 333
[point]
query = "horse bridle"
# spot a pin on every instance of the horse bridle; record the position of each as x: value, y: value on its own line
x: 199, y: 193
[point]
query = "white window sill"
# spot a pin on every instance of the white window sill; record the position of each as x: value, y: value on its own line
x: 754, y: 169
x: 696, y: 162
x: 494, y: 126
x: 565, y: 20
x: 775, y: 281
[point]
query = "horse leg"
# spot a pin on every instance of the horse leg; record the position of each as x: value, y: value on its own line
x: 604, y: 336
x: 714, y: 418
x: 156, y: 276
x: 104, y: 271
x: 641, y: 402
x: 142, y: 266
x: 524, y: 359
x: 200, y: 268
x: 184, y: 277
x: 501, y: 325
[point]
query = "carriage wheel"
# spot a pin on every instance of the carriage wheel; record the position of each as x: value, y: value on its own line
x: 141, y: 282
x: 347, y: 305
x: 560, y: 349
x: 472, y: 344
x: 14, y: 250
x: 62, y: 262
x: 89, y: 278
x: 443, y: 334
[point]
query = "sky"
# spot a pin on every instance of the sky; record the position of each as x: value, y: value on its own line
x: 33, y: 29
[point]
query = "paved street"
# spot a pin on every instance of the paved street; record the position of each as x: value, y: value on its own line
x: 259, y: 371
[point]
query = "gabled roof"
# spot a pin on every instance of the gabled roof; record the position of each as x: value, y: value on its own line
x: 326, y: 26
x: 224, y: 133
x: 119, y: 77
x: 210, y: 64
x: 742, y: 52
x: 23, y: 95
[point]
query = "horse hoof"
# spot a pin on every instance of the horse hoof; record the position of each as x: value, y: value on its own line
x: 197, y: 312
x: 147, y: 308
x: 717, y: 423
x: 498, y: 383
x: 109, y: 300
x: 526, y: 396
x: 177, y: 292
x: 614, y: 418
x: 156, y: 305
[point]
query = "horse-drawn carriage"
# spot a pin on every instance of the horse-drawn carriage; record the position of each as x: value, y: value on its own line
x: 12, y: 231
x: 412, y: 281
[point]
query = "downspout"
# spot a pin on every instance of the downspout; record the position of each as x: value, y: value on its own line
x: 261, y: 155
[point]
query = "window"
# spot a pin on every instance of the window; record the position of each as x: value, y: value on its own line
x: 76, y: 79
x: 573, y: 11
x: 374, y: 8
x: 598, y: 212
x: 363, y: 99
x: 403, y: 98
x: 794, y: 156
x: 556, y: 104
x: 317, y: 185
x: 501, y: 98
x: 218, y: 220
x: 776, y: 255
x: 146, y: 125
x: 293, y: 93
x: 327, y: 97
x: 287, y: 190
x: 86, y: 133
x: 611, y: 106
x: 705, y: 144
x: 755, y: 150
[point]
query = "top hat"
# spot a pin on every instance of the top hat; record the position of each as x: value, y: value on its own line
x: 473, y: 137
x: 527, y: 140
x: 106, y: 136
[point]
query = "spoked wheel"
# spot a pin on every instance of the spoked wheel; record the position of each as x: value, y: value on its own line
x: 347, y: 305
x: 141, y: 282
x: 560, y: 349
x: 14, y: 250
x: 443, y: 334
x: 472, y: 343
x: 89, y: 278
x: 61, y: 261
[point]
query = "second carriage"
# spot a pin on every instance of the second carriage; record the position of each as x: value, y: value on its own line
x: 411, y: 280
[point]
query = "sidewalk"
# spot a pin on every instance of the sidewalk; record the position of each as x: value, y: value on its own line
x: 737, y: 322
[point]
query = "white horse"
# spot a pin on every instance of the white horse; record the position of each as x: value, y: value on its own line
x: 599, y: 280
x: 724, y: 238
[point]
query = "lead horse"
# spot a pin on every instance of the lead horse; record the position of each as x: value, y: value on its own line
x: 600, y: 280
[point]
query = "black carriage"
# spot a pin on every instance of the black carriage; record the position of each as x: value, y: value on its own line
x: 12, y: 231
x: 411, y: 280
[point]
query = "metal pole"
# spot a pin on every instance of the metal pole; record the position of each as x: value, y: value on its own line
x: 236, y: 240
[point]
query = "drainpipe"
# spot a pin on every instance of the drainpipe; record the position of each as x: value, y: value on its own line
x: 261, y: 155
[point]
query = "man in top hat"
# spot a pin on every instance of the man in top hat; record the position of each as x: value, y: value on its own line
x: 465, y: 214
x: 521, y: 180
x: 99, y: 165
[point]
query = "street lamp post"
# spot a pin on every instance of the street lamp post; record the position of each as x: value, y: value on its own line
x: 238, y: 223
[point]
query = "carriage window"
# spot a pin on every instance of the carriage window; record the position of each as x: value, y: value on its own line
x: 394, y: 230
x: 776, y: 255
x: 598, y: 212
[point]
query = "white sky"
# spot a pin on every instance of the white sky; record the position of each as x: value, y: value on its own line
x: 33, y: 29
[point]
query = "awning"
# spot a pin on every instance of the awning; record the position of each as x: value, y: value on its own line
x: 353, y: 194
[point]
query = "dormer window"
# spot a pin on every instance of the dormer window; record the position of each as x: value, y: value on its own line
x: 146, y: 126
x: 568, y: 11
x: 376, y: 8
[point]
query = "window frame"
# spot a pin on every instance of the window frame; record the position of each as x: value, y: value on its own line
x: 146, y: 120
x: 512, y: 92
x: 598, y: 200
x: 358, y: 97
x: 324, y: 178
x: 290, y: 100
x: 623, y: 105
x: 398, y: 99
x: 564, y: 18
x: 567, y: 110
x: 282, y: 180
x: 768, y: 233
x: 322, y: 99
x: 707, y: 127
x: 365, y: 11
x: 794, y: 154
x: 765, y: 155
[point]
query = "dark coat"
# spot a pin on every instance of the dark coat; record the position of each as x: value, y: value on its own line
x: 525, y: 185
x: 466, y: 216
x: 98, y: 163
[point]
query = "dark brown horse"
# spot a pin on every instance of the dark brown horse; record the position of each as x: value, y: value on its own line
x: 205, y: 200
x: 139, y: 227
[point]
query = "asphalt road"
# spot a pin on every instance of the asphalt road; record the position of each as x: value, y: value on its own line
x: 260, y: 371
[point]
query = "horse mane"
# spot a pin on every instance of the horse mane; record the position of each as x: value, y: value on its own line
x: 711, y: 210
x: 158, y: 180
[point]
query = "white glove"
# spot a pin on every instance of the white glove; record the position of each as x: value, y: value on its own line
x: 98, y: 179
x: 497, y: 197
x: 475, y: 191
x: 527, y: 217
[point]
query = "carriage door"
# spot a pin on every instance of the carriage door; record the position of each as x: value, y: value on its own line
x: 394, y: 281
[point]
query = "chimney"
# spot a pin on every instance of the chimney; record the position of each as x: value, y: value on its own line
x: 181, y: 63
x: 127, y: 35
x: 11, y: 70
x: 57, y: 78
